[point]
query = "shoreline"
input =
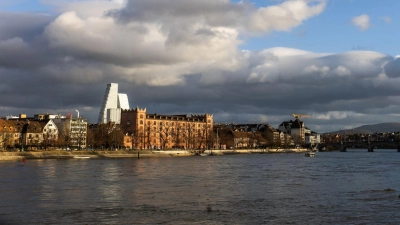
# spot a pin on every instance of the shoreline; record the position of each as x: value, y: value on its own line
x: 62, y: 154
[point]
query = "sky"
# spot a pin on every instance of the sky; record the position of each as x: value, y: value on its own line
x: 242, y: 61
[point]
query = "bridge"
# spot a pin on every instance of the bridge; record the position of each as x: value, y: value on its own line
x: 370, y: 145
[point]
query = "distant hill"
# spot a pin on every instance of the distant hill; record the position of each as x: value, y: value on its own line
x: 369, y: 129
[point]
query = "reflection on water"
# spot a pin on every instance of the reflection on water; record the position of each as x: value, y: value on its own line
x: 332, y: 188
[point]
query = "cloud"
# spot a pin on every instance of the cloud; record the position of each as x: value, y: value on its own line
x: 387, y: 19
x: 362, y: 22
x: 392, y: 68
x: 23, y: 25
x: 285, y: 16
x: 217, y: 13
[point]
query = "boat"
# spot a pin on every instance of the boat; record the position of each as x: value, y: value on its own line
x: 81, y: 157
x: 309, y: 154
x: 207, y: 154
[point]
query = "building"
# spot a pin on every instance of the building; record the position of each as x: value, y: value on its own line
x: 27, y: 133
x: 112, y: 104
x: 50, y: 132
x: 154, y: 131
x: 72, y: 132
x: 7, y: 133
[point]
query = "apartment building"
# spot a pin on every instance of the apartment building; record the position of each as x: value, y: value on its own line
x: 72, y: 131
x: 155, y: 131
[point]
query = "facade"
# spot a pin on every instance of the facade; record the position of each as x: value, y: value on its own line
x: 73, y: 131
x: 123, y: 102
x: 31, y: 134
x: 154, y: 131
x: 313, y: 138
x: 112, y: 104
x: 298, y: 132
x: 50, y: 132
x: 296, y: 129
x: 7, y: 133
x: 272, y: 134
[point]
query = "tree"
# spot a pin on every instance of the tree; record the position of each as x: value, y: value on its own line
x: 6, y: 140
x: 115, y: 137
x: 64, y: 139
x: 90, y: 138
x: 164, y: 135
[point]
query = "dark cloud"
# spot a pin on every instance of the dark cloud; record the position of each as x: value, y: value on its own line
x: 392, y: 69
x: 23, y: 25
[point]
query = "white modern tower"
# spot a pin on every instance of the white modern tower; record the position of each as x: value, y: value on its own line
x: 113, y: 102
x: 123, y: 102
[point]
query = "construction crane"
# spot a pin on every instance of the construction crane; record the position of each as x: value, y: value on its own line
x: 300, y: 116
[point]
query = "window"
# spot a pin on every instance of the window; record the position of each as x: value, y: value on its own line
x: 129, y: 116
x: 141, y: 116
x: 155, y: 123
x: 128, y: 122
x: 141, y: 122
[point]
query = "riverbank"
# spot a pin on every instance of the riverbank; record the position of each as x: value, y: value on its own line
x: 61, y: 154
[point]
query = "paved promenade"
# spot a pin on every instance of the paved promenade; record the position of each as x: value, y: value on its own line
x: 61, y: 154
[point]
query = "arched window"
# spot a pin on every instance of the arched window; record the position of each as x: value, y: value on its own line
x: 141, y: 116
x: 141, y: 122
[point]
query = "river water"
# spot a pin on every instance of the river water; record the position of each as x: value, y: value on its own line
x: 332, y: 188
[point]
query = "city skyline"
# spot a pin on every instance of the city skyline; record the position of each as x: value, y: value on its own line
x: 242, y: 61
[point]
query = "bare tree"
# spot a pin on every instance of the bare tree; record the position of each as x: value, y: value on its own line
x: 164, y: 133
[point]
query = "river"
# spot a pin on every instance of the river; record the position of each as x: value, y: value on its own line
x: 331, y: 188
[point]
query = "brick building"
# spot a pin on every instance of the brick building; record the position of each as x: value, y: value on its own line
x: 155, y: 131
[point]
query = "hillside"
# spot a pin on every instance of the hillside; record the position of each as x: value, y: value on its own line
x: 375, y: 128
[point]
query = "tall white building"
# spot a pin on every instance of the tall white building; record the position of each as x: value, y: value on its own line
x: 123, y: 102
x: 113, y: 102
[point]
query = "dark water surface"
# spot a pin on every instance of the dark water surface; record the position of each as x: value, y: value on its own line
x: 332, y: 188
